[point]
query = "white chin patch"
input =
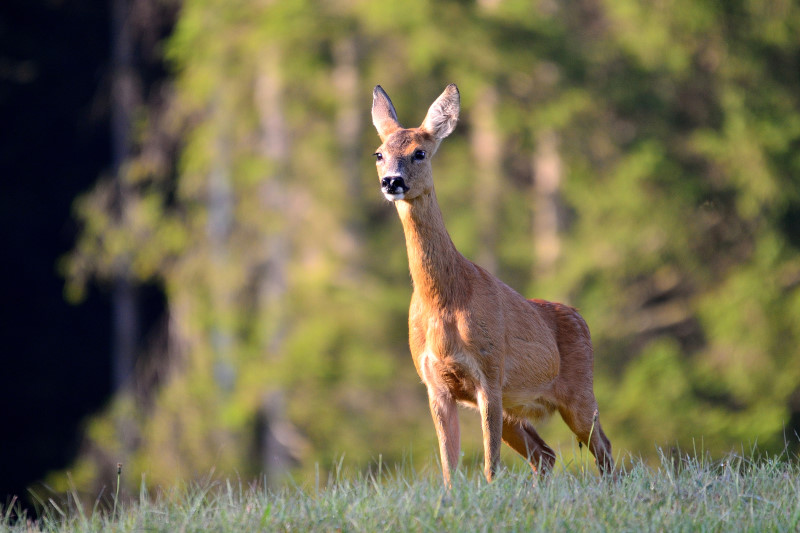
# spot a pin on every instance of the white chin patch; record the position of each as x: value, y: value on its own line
x: 394, y: 197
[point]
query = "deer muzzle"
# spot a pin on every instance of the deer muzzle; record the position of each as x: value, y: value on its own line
x: 394, y: 187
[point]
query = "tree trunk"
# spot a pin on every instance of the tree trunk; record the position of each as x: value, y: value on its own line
x: 271, y: 271
x: 547, y: 173
x: 349, y: 129
x: 348, y: 117
x: 220, y: 205
x: 486, y: 145
x: 124, y: 100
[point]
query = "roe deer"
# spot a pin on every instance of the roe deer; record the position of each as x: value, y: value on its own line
x: 474, y: 340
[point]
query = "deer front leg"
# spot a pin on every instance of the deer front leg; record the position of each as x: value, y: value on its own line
x: 491, y: 407
x: 445, y: 419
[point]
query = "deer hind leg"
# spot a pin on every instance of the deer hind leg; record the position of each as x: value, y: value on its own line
x: 582, y: 420
x: 523, y: 439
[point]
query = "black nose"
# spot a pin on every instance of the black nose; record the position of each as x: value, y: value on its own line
x: 393, y: 184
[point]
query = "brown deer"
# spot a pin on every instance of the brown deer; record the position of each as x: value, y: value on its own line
x: 474, y: 340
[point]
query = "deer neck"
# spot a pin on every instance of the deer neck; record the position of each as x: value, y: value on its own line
x: 436, y: 266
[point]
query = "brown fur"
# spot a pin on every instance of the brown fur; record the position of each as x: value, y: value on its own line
x: 473, y: 339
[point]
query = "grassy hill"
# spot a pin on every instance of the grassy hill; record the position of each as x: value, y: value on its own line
x: 681, y: 494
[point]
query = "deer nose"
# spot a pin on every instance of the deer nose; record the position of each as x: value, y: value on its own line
x: 393, y: 184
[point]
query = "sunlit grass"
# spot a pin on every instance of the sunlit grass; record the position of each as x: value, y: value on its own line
x: 681, y: 494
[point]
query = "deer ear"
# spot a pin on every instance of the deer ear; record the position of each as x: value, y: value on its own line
x: 384, y: 117
x: 443, y: 113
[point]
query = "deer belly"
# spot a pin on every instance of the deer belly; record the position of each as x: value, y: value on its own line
x: 527, y: 406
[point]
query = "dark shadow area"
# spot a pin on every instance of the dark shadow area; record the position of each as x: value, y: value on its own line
x: 53, y: 146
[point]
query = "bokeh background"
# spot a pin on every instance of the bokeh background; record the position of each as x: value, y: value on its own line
x: 200, y: 273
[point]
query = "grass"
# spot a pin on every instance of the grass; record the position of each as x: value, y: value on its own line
x: 738, y: 494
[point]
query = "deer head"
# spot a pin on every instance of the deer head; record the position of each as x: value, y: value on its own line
x: 404, y: 158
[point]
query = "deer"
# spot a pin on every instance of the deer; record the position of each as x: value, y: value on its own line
x: 474, y: 340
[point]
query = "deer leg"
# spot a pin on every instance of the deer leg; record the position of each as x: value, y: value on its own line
x: 600, y: 447
x: 523, y: 439
x: 445, y: 419
x: 491, y: 409
x: 585, y: 424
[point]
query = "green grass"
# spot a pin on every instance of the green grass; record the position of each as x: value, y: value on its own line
x: 738, y: 494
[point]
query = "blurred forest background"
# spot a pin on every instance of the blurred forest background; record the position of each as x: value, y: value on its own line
x: 249, y: 286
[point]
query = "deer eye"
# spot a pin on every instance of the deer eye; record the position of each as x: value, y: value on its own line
x: 378, y: 156
x: 419, y: 155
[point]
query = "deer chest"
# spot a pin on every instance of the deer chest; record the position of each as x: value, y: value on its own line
x: 452, y: 373
x: 445, y: 361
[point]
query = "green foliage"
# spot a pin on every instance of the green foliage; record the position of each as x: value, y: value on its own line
x: 285, y: 272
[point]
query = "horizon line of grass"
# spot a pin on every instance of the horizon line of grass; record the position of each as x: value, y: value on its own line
x: 683, y: 493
